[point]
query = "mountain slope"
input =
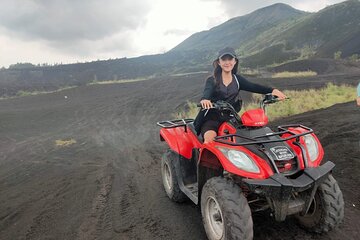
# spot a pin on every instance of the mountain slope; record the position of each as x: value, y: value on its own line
x: 335, y: 28
x: 280, y: 33
x: 238, y: 30
x: 329, y: 30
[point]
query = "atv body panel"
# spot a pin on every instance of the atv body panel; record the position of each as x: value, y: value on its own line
x: 181, y: 137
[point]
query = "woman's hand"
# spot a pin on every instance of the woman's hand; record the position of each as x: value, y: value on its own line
x: 279, y: 94
x: 206, y: 104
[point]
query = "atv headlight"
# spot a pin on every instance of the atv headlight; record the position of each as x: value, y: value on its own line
x: 312, y: 147
x: 240, y: 160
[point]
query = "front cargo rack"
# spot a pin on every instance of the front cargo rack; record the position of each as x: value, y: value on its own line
x: 175, y: 123
x: 254, y: 140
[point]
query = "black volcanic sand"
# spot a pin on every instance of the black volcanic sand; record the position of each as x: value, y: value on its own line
x: 320, y: 66
x: 107, y: 185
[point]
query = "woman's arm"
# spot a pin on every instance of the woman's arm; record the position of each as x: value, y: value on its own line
x: 208, y: 92
x: 253, y: 87
x: 209, y: 88
x: 256, y: 88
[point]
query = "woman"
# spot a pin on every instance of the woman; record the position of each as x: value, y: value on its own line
x: 225, y: 85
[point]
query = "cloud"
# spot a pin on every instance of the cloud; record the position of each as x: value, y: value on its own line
x: 72, y: 25
x: 69, y: 20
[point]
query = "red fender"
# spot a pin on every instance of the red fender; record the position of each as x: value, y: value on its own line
x: 211, y: 156
x: 180, y: 141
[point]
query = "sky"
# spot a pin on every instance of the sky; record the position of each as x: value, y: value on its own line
x: 70, y: 31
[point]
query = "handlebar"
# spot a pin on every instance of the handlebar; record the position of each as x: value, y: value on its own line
x: 222, y: 105
x: 225, y: 106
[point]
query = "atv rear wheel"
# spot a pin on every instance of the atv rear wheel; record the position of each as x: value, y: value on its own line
x: 327, y: 208
x: 169, y: 178
x: 225, y: 211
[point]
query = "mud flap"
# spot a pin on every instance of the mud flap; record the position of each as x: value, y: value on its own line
x: 186, y: 174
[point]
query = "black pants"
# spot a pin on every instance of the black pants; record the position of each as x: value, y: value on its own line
x: 212, y: 121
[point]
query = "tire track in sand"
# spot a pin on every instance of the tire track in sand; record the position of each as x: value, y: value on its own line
x: 97, y: 220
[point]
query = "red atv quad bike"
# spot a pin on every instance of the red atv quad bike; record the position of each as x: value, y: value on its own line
x: 250, y: 168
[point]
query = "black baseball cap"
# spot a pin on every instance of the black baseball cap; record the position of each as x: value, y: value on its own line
x: 227, y: 51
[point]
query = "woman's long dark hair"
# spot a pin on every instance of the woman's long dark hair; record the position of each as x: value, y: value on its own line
x: 218, y: 70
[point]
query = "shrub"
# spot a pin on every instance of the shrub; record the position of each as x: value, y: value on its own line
x: 337, y: 55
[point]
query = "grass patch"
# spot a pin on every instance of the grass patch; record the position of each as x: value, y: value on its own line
x: 190, y: 111
x: 188, y: 73
x: 250, y: 72
x: 294, y: 74
x: 22, y: 93
x: 306, y: 100
x: 299, y: 102
x: 64, y: 143
x: 118, y: 81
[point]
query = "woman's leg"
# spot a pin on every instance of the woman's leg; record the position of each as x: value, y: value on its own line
x: 209, y: 136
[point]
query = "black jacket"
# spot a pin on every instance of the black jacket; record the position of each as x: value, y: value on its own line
x: 212, y: 93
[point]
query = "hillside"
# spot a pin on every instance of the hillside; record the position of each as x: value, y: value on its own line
x: 279, y: 33
x: 49, y: 78
x: 240, y: 30
x: 321, y: 34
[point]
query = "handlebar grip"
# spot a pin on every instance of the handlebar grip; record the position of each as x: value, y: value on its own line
x: 199, y: 104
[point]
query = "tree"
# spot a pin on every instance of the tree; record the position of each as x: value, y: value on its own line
x: 21, y: 66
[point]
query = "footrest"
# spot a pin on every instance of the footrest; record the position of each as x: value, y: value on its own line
x: 193, y: 188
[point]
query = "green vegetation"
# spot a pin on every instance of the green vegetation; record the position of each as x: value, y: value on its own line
x: 337, y: 55
x: 22, y: 93
x: 354, y: 58
x: 187, y: 73
x: 250, y: 72
x: 307, y: 100
x: 118, y: 81
x: 190, y: 111
x: 21, y: 66
x: 64, y: 143
x: 307, y: 51
x: 294, y: 74
x: 298, y: 102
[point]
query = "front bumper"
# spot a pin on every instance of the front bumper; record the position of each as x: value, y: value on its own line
x: 280, y: 190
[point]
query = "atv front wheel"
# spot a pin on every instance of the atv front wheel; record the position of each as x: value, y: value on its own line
x: 327, y: 208
x: 225, y: 211
x: 169, y: 178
